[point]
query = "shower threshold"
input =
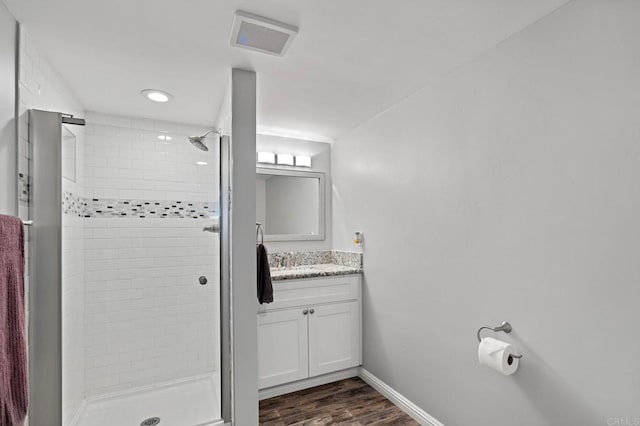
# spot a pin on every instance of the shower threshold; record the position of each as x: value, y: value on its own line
x: 194, y: 402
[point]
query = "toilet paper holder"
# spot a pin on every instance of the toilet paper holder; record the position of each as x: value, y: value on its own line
x: 505, y: 326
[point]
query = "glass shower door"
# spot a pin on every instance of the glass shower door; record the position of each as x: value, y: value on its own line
x: 139, y: 318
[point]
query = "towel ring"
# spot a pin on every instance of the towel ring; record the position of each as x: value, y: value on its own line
x: 505, y: 326
x: 260, y: 233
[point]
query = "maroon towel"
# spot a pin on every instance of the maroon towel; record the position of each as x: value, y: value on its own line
x: 14, y: 380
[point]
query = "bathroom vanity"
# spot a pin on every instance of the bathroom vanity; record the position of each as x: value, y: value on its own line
x: 311, y: 333
x: 313, y: 327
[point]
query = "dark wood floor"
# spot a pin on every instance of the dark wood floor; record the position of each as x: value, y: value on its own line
x: 347, y: 402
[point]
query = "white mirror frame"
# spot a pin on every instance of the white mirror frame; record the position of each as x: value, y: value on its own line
x: 321, y: 204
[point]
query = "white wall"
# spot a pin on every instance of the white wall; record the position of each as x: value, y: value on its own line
x: 261, y: 202
x: 243, y: 252
x: 147, y: 318
x: 508, y: 191
x: 321, y: 162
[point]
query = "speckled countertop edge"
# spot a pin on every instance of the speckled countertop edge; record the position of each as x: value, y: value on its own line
x: 293, y: 274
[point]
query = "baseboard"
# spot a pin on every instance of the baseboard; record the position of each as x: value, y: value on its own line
x: 417, y: 413
x: 306, y: 383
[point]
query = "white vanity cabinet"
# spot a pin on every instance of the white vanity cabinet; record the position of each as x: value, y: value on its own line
x: 334, y: 337
x: 283, y: 354
x: 312, y: 328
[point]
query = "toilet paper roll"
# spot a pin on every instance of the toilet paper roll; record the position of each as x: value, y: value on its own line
x: 495, y: 354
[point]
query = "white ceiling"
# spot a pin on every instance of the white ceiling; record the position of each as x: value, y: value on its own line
x: 351, y: 60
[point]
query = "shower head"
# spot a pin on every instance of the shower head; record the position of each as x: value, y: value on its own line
x: 198, y: 141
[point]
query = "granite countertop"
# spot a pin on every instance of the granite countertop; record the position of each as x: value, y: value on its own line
x: 312, y: 264
x: 312, y: 271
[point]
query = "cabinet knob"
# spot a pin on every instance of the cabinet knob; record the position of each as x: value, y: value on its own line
x: 312, y: 311
x: 305, y: 312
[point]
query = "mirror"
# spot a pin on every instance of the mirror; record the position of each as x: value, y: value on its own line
x: 290, y: 204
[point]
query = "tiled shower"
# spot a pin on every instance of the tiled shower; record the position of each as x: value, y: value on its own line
x: 134, y: 254
x: 122, y: 285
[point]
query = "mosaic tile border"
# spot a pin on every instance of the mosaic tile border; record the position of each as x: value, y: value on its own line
x: 23, y: 188
x: 135, y: 208
x: 73, y: 204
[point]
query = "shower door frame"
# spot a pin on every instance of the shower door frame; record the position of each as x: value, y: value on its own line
x: 226, y: 342
x: 45, y: 295
x: 45, y: 289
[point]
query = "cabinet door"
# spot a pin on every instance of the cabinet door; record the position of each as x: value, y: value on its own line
x: 334, y: 337
x: 283, y: 354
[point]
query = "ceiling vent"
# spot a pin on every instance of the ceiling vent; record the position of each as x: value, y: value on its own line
x: 261, y: 34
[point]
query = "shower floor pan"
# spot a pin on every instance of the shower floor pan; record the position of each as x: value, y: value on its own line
x: 190, y: 402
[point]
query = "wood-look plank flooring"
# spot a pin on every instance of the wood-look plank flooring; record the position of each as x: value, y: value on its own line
x: 347, y: 402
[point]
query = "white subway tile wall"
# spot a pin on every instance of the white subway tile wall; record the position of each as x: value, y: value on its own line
x: 73, y: 306
x: 145, y: 159
x: 73, y: 268
x: 147, y: 317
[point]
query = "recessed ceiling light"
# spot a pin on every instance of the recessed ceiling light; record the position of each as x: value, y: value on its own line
x: 156, y: 95
x: 165, y: 138
x: 201, y: 163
